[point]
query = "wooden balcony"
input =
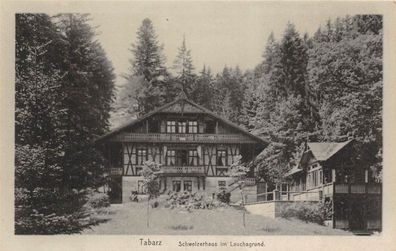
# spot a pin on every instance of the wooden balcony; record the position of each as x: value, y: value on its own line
x: 183, y: 171
x: 182, y: 138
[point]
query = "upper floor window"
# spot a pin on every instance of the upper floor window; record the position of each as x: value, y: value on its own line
x: 221, y: 158
x: 192, y: 157
x: 141, y: 156
x: 192, y: 126
x: 171, y: 126
x: 182, y: 127
x: 170, y: 157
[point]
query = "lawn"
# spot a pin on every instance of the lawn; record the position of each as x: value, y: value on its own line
x: 130, y: 218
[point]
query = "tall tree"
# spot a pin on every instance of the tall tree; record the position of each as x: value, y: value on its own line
x: 148, y: 59
x: 88, y: 87
x: 203, y: 89
x: 184, y: 69
x: 44, y: 202
x: 290, y: 70
x: 148, y: 62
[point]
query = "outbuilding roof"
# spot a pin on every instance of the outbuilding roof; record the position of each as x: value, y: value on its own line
x: 321, y: 151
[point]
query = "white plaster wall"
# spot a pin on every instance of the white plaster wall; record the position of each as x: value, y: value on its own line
x: 212, y: 184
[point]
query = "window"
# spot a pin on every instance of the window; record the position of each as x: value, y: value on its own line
x: 187, y: 185
x: 192, y: 127
x: 170, y: 157
x: 171, y: 126
x: 176, y: 185
x: 315, y: 178
x: 141, y: 156
x: 222, y: 184
x: 320, y: 177
x: 182, y: 127
x: 192, y: 157
x: 221, y: 158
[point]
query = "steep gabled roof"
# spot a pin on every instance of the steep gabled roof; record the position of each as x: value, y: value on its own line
x: 181, y: 98
x: 325, y: 150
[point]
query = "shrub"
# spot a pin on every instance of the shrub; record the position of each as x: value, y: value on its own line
x: 44, y: 211
x: 224, y: 197
x: 308, y: 212
x: 97, y: 200
x: 190, y: 201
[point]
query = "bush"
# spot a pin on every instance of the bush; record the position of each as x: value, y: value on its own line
x: 44, y: 211
x: 308, y: 212
x: 97, y: 200
x: 224, y: 197
x: 190, y: 201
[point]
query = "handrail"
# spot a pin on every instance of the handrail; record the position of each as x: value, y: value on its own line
x: 180, y: 137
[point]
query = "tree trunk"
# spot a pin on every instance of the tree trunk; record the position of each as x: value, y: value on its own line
x: 148, y: 215
x: 243, y: 208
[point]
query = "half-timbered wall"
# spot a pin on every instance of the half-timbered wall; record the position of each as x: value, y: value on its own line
x: 207, y: 156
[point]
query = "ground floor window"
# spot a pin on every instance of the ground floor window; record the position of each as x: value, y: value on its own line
x: 176, y: 185
x: 222, y: 184
x: 187, y: 185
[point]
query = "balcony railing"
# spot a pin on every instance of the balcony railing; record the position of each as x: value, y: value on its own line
x: 187, y: 170
x: 187, y: 138
x: 317, y: 193
x: 365, y: 188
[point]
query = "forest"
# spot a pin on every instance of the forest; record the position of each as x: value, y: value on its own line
x: 324, y: 87
x: 327, y: 87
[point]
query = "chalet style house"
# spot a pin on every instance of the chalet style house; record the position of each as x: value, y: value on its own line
x: 331, y: 172
x: 194, y: 146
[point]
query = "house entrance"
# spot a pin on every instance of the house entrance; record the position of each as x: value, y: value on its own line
x: 357, y: 219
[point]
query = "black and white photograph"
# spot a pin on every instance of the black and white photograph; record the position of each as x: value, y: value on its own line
x: 199, y: 119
